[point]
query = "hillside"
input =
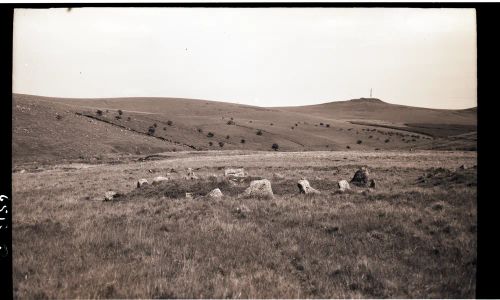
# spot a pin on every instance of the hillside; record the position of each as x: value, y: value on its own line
x: 53, y: 129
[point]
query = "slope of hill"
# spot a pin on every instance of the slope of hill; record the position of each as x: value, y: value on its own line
x: 51, y: 129
x: 376, y: 109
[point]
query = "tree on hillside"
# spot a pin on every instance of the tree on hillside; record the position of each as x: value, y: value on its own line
x: 151, y: 130
x: 120, y: 112
x: 99, y: 112
x: 275, y: 147
x: 259, y: 132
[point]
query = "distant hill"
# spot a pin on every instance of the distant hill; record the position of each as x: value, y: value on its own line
x: 47, y: 129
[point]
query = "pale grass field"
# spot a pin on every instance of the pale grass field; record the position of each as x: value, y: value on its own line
x: 404, y: 239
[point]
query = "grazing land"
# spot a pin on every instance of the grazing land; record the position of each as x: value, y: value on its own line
x: 55, y: 130
x: 413, y: 236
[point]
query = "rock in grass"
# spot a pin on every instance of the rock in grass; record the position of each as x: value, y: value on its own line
x: 189, y: 195
x: 305, y: 187
x: 142, y: 182
x: 361, y: 177
x: 215, y: 193
x: 159, y: 179
x: 240, y: 172
x: 260, y: 189
x: 343, y: 185
x: 110, y: 195
x: 190, y: 175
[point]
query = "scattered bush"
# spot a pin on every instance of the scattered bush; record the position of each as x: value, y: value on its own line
x: 371, y: 136
x: 230, y: 122
x: 387, y: 140
x: 321, y: 124
x: 118, y: 117
x: 170, y: 123
x: 210, y: 134
x: 59, y: 117
x: 151, y: 130
x: 164, y: 128
x: 242, y: 141
x: 259, y: 132
x: 200, y: 130
x: 328, y: 125
x: 271, y: 124
x: 227, y: 137
x: 348, y: 147
x: 221, y: 144
x: 210, y: 143
x: 296, y: 124
x: 293, y: 127
x: 99, y: 112
x: 120, y: 112
x: 155, y: 125
x: 129, y: 118
x: 359, y: 142
x: 107, y: 110
x: 275, y: 147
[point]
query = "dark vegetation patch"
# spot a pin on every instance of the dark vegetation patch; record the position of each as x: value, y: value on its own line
x: 446, y: 178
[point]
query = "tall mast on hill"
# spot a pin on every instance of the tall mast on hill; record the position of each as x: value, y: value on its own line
x: 370, y: 92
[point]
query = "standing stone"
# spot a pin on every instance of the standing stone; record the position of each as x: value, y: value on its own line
x: 190, y: 174
x: 305, y: 187
x: 344, y: 185
x: 216, y: 193
x: 234, y: 172
x: 260, y: 189
x: 110, y: 195
x: 142, y: 182
x: 361, y: 177
x: 159, y: 179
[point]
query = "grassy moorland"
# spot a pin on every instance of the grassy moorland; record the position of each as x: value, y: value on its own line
x: 414, y: 235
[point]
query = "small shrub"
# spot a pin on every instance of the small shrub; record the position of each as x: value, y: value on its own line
x: 371, y: 136
x: 348, y: 147
x: 129, y: 118
x: 200, y: 130
x: 275, y: 147
x: 296, y: 124
x: 107, y: 110
x: 170, y: 123
x: 242, y: 141
x: 321, y: 124
x: 210, y: 143
x: 120, y: 112
x: 59, y: 117
x: 221, y: 144
x: 328, y: 125
x: 164, y: 128
x: 259, y: 132
x: 151, y: 130
x: 99, y: 112
x: 230, y: 122
x: 227, y: 137
x: 359, y: 142
x: 271, y: 124
x: 293, y: 127
x: 387, y: 140
x: 210, y: 134
x: 118, y: 117
x: 155, y: 125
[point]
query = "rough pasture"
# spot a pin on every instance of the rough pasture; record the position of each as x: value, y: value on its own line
x: 413, y: 236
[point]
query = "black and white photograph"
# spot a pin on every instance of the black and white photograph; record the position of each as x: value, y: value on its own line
x: 244, y: 152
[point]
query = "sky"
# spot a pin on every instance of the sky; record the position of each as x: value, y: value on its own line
x: 257, y: 56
